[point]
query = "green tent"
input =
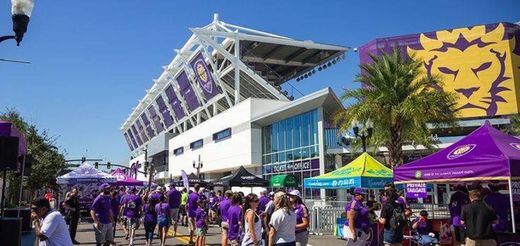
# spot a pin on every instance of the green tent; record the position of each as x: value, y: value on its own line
x: 283, y: 180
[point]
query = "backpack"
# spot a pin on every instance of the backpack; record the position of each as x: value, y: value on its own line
x: 397, y: 220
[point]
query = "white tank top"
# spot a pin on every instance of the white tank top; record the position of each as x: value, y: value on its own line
x: 258, y: 229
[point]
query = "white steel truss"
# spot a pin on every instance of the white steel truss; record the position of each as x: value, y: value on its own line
x: 233, y: 76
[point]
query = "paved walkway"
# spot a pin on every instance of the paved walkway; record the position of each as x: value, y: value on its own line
x: 85, y: 236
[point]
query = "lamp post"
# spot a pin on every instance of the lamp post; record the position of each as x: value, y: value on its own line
x: 21, y: 13
x: 364, y: 133
x: 198, y: 165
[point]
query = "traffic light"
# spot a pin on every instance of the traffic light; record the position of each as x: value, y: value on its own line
x: 96, y: 165
x: 108, y: 165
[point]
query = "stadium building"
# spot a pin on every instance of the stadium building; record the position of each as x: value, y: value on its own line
x: 220, y: 105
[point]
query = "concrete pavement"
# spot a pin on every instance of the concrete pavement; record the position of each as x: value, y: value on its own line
x: 85, y: 236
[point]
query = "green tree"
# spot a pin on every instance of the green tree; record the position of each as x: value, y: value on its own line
x: 48, y: 160
x: 515, y: 125
x: 400, y: 100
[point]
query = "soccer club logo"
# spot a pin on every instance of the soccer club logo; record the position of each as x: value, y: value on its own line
x: 204, y: 76
x: 515, y: 145
x: 418, y: 174
x: 460, y: 151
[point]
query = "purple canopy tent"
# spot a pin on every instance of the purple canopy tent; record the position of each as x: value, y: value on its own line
x: 123, y: 179
x: 485, y: 154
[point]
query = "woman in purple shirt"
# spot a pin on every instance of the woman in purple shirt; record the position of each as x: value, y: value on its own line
x: 235, y: 219
x: 163, y: 218
x: 150, y: 220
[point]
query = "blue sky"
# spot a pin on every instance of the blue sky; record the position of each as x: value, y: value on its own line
x: 92, y: 60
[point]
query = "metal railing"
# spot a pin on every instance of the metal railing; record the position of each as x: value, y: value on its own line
x: 323, y: 214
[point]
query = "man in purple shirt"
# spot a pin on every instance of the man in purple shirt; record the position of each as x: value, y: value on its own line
x: 500, y: 203
x: 457, y: 201
x: 174, y: 200
x: 101, y: 212
x: 234, y: 219
x: 131, y: 211
x: 262, y: 201
x: 223, y: 209
x: 191, y: 208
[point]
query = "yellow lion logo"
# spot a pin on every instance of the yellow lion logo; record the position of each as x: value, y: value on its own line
x: 202, y: 72
x: 477, y: 64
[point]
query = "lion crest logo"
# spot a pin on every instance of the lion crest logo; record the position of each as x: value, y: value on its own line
x: 204, y: 77
x: 418, y: 174
x: 460, y: 151
x: 477, y: 64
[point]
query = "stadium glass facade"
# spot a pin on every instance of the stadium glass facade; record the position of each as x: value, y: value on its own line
x: 291, y: 146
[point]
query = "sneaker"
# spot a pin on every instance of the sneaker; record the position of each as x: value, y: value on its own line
x: 75, y: 242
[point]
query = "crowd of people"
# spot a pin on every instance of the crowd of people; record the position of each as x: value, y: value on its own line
x: 279, y: 218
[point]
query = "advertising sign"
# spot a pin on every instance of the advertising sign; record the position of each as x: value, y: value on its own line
x: 165, y: 112
x: 187, y: 91
x: 417, y: 190
x: 155, y: 118
x: 128, y: 141
x: 204, y: 77
x: 136, y: 135
x: 478, y: 64
x: 175, y: 103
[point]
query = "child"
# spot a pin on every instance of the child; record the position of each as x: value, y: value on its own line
x: 163, y: 218
x: 150, y: 220
x: 202, y: 222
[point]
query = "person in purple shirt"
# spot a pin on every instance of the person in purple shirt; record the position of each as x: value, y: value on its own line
x: 212, y: 207
x: 115, y: 202
x: 150, y: 220
x: 202, y: 223
x: 457, y: 201
x: 174, y: 200
x: 262, y: 201
x: 235, y: 219
x: 191, y: 208
x: 101, y: 212
x: 163, y: 218
x: 357, y: 223
x: 131, y: 206
x: 223, y: 210
x: 500, y: 203
x: 302, y: 217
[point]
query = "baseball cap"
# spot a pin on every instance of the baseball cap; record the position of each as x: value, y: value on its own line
x: 104, y: 186
x: 359, y: 191
x: 271, y: 193
x: 295, y: 193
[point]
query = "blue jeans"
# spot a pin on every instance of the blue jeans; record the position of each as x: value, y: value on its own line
x: 427, y: 240
x: 149, y: 228
x: 391, y: 236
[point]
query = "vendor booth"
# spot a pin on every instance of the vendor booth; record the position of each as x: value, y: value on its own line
x: 283, y: 181
x: 485, y: 155
x: 364, y: 171
x: 242, y: 178
x: 87, y: 179
x: 122, y: 179
x: 192, y: 180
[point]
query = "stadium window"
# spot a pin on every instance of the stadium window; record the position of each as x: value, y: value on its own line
x: 226, y: 133
x: 178, y: 151
x: 197, y: 144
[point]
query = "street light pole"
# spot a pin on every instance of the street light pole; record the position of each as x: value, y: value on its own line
x: 21, y: 11
x: 363, y: 135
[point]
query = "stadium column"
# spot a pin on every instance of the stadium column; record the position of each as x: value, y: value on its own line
x: 237, y: 70
x: 321, y: 144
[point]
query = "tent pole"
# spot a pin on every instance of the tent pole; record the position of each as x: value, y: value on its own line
x: 512, y: 206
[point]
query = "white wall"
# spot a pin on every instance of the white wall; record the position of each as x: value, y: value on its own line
x: 141, y: 160
x: 242, y: 148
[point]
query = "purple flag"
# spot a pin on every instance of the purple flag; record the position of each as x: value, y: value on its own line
x: 128, y: 141
x: 7, y: 129
x: 175, y: 103
x: 147, y: 125
x: 204, y: 77
x: 187, y: 91
x: 140, y: 128
x: 132, y: 138
x: 185, y: 180
x: 136, y: 135
x: 165, y: 112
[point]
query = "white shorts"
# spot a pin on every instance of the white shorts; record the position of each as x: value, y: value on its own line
x: 104, y: 233
x: 363, y: 238
x: 174, y: 214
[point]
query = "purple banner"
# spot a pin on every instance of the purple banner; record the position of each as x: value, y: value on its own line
x: 165, y: 112
x: 417, y: 190
x: 156, y: 119
x: 174, y: 102
x: 142, y: 132
x: 204, y: 77
x: 132, y: 138
x: 147, y: 125
x: 136, y: 135
x: 128, y: 141
x: 187, y: 91
x: 515, y: 190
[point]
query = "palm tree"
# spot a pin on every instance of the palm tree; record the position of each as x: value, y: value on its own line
x: 400, y: 99
x: 515, y: 125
